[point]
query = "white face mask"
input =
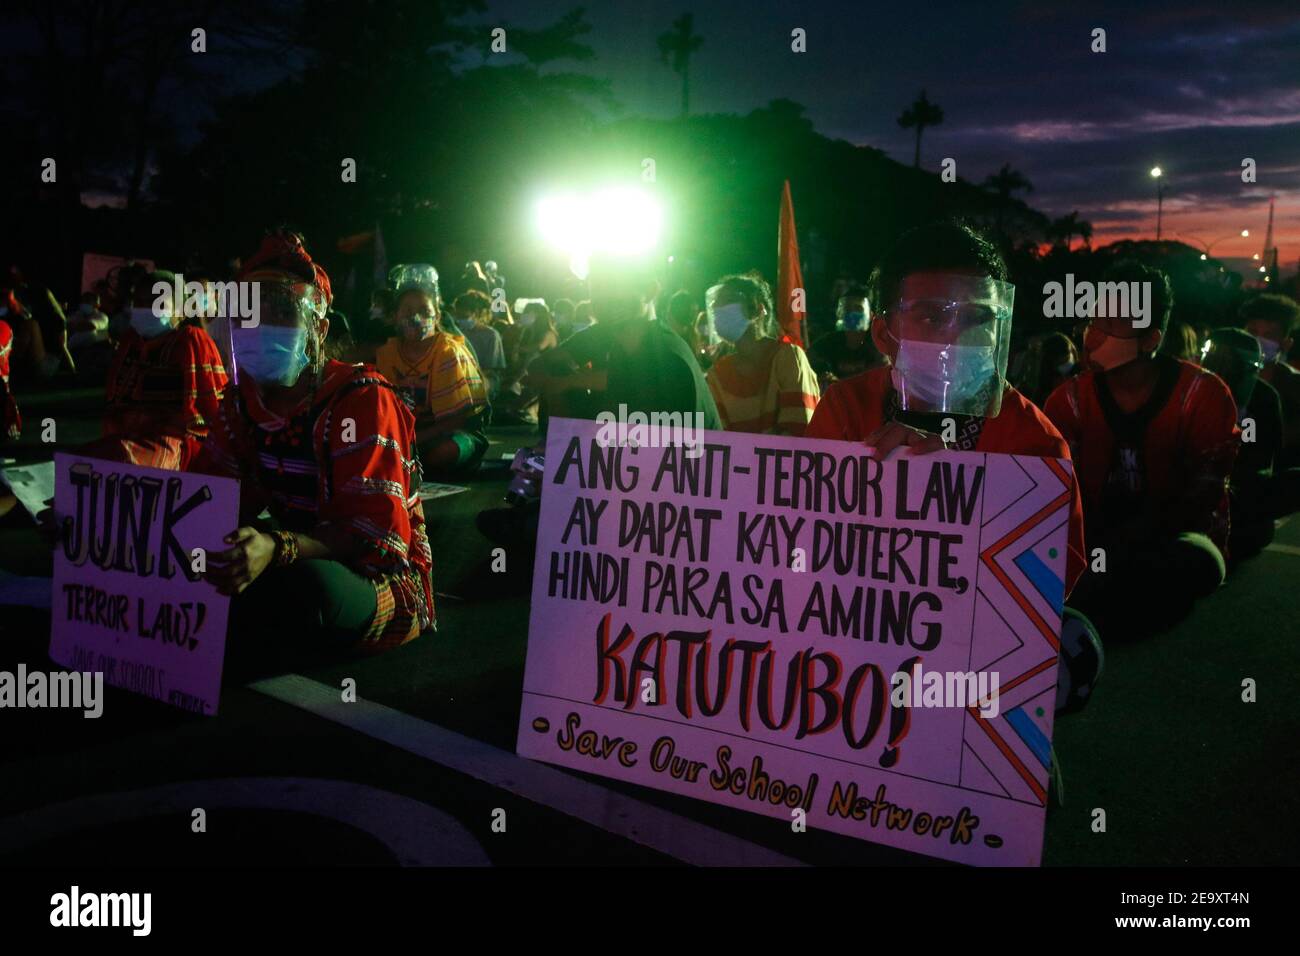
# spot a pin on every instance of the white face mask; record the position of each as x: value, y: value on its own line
x: 148, y: 325
x: 1115, y: 351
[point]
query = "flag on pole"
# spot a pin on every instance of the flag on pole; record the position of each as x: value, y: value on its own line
x: 791, y: 310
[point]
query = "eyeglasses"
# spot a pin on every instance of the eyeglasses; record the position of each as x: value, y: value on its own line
x: 944, y: 313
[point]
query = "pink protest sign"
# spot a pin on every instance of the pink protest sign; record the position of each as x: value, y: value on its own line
x: 128, y: 601
x: 793, y: 628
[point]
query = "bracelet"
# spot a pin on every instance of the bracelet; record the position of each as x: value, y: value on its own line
x: 286, y: 548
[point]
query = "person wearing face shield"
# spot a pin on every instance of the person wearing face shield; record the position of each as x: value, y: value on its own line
x: 437, y: 370
x: 1272, y: 320
x: 763, y: 384
x: 943, y: 321
x: 164, y: 385
x: 1259, y: 489
x: 1154, y: 439
x: 848, y: 350
x: 328, y: 448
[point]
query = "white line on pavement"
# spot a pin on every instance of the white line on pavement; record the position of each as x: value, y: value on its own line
x: 642, y: 823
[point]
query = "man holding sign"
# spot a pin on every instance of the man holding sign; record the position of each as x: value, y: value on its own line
x: 945, y: 325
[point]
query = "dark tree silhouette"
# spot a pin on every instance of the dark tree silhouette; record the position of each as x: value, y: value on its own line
x: 676, y: 47
x: 920, y: 114
x: 1061, y: 231
x: 1005, y: 182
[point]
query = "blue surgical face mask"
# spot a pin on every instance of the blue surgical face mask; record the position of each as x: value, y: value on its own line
x: 272, y: 354
x: 853, y: 321
x: 942, y: 377
x: 730, y: 321
x: 149, y: 325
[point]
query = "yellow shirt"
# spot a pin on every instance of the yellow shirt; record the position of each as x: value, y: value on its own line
x: 445, y: 381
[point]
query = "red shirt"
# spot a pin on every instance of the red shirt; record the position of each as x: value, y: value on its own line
x: 853, y: 408
x: 160, y: 396
x: 1176, y: 475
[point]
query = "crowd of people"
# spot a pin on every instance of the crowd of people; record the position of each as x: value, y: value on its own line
x: 1185, y: 448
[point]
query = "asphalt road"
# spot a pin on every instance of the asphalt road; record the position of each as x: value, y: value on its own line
x: 424, y: 772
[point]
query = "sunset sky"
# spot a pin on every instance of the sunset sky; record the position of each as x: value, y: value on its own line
x: 1193, y: 87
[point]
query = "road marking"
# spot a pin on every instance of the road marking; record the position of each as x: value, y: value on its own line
x: 642, y: 823
x: 1283, y: 548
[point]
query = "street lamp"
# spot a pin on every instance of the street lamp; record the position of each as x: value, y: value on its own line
x: 1156, y: 173
x: 1245, y: 233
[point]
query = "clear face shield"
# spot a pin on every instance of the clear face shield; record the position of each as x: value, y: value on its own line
x: 414, y: 276
x: 1238, y: 367
x: 953, y: 334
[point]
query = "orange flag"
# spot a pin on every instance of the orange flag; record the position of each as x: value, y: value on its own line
x: 789, y: 282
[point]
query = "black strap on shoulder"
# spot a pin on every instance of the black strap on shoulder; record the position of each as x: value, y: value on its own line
x: 1129, y: 428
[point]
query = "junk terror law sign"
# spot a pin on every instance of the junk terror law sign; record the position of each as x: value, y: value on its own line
x: 734, y: 624
x: 128, y: 601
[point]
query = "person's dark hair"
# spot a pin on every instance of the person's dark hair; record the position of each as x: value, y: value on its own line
x: 1234, y: 338
x: 563, y: 307
x: 934, y: 247
x: 681, y: 308
x: 1162, y: 293
x: 582, y: 311
x: 1042, y: 357
x: 394, y: 302
x: 471, y: 303
x: 752, y: 291
x: 1181, y: 341
x: 1272, y: 307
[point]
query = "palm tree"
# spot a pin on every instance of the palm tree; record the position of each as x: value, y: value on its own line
x: 921, y: 113
x: 1004, y: 182
x: 1062, y: 230
x: 676, y: 46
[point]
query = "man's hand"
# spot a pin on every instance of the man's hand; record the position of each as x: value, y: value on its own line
x: 237, y: 567
x: 893, y: 435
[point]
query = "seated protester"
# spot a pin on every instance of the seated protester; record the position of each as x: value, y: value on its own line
x: 164, y: 385
x: 1260, y: 491
x: 563, y: 313
x: 1272, y: 319
x: 848, y: 350
x: 11, y: 423
x: 627, y: 358
x: 1153, y: 440
x: 765, y: 384
x: 39, y: 304
x: 682, y: 315
x: 1048, y: 361
x: 436, y: 370
x: 472, y: 311
x: 87, y: 326
x: 944, y: 323
x: 328, y: 449
x: 1182, y: 342
x: 534, y: 334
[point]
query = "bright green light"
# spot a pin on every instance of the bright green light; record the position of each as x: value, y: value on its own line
x: 619, y: 221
